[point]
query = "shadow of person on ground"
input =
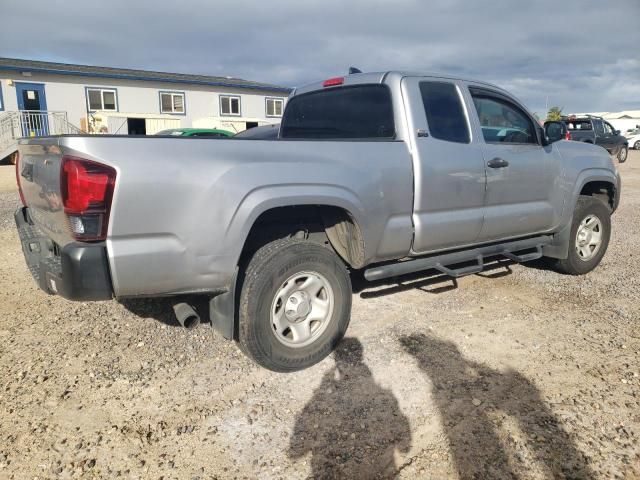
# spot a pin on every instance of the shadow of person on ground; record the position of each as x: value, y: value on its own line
x: 351, y: 426
x: 480, y: 407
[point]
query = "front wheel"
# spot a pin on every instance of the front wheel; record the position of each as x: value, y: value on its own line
x: 590, y: 234
x: 622, y: 154
x: 637, y: 145
x: 295, y: 305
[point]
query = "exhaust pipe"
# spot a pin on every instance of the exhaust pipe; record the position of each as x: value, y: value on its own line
x: 186, y: 315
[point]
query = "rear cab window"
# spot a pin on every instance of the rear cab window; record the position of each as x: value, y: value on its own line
x: 362, y: 111
x: 581, y: 125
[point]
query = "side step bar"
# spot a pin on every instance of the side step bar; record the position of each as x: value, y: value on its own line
x: 443, y: 262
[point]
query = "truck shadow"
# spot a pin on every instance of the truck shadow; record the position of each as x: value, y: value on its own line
x: 496, y: 423
x: 429, y: 281
x: 352, y: 427
x: 161, y: 309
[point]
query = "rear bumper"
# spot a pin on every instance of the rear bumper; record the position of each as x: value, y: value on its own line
x: 77, y: 271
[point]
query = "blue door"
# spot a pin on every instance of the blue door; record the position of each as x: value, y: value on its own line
x: 33, y: 104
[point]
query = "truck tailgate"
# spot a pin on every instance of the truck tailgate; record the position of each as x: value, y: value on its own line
x: 39, y: 178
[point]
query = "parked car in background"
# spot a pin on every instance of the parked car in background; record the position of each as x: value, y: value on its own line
x: 265, y: 132
x: 196, y: 132
x: 596, y: 130
x: 633, y: 137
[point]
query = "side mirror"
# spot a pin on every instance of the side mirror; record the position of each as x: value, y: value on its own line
x: 616, y: 132
x: 554, y: 131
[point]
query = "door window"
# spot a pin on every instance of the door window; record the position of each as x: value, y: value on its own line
x: 445, y: 115
x: 599, y: 128
x: 31, y: 99
x: 502, y: 121
x: 608, y: 129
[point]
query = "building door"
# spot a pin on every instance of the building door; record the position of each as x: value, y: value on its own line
x: 33, y: 104
x: 136, y: 126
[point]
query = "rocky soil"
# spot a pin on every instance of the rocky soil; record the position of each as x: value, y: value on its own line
x: 517, y: 372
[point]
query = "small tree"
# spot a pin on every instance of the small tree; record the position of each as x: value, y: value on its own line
x: 554, y: 114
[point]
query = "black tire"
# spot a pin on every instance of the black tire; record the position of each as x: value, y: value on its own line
x: 637, y: 145
x: 574, y: 264
x: 267, y: 271
x: 623, y: 154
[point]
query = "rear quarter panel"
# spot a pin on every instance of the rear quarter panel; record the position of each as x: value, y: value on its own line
x: 183, y: 207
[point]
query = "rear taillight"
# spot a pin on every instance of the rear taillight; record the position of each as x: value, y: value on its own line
x: 87, y: 190
x: 567, y: 135
x: 24, y: 203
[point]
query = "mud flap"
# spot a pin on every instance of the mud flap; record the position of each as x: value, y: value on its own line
x: 223, y: 310
x: 559, y: 246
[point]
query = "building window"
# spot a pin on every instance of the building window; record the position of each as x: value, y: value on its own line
x: 274, y: 107
x: 172, y: 102
x: 102, y: 99
x: 229, y: 105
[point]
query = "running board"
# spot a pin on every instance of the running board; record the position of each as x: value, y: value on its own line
x: 443, y: 262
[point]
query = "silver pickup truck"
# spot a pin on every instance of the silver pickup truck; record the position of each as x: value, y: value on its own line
x: 389, y: 173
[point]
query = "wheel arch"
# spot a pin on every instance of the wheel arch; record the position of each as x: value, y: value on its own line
x: 600, y: 183
x: 333, y: 216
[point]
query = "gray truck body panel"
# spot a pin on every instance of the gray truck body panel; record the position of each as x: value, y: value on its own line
x: 183, y: 207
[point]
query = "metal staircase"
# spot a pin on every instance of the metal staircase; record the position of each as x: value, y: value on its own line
x: 29, y: 123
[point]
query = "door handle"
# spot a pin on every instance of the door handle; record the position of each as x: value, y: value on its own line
x: 497, y: 163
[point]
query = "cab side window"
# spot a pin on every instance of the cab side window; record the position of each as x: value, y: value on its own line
x: 445, y: 115
x: 502, y: 121
x: 599, y: 128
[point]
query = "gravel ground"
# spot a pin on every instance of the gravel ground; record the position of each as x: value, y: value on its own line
x: 517, y: 372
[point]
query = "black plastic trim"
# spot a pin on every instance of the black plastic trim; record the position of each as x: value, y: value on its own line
x: 223, y: 310
x: 442, y: 261
x: 77, y: 271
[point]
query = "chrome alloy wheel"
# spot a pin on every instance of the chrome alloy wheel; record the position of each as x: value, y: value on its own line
x: 301, y: 309
x: 589, y: 238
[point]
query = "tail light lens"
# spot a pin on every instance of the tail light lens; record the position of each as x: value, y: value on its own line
x: 567, y: 136
x: 87, y: 190
x: 332, y: 82
x: 24, y: 203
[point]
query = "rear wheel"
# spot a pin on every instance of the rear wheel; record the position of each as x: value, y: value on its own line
x: 637, y: 145
x: 622, y: 154
x: 590, y: 234
x: 295, y: 305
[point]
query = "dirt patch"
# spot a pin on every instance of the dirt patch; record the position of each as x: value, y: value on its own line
x: 519, y: 372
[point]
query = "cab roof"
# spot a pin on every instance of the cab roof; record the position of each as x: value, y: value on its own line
x: 387, y: 77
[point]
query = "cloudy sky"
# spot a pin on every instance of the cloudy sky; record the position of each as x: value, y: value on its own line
x: 581, y: 55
